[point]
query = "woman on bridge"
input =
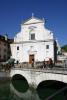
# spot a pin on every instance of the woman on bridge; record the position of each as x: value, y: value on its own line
x: 44, y: 63
x: 50, y: 63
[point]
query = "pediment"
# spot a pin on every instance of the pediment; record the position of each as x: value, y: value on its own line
x: 33, y: 20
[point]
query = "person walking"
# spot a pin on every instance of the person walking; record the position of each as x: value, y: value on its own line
x: 32, y: 63
x: 44, y: 64
x: 50, y: 63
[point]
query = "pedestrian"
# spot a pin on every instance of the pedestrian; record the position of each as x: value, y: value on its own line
x: 44, y: 63
x: 50, y: 63
x: 32, y: 62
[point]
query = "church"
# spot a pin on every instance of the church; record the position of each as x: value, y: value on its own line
x: 33, y: 42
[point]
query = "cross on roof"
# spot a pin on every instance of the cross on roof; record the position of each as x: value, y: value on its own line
x: 32, y: 15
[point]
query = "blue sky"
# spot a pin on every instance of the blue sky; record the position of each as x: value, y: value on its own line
x: 14, y: 12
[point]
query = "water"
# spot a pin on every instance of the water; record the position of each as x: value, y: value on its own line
x: 18, y: 89
x: 4, y: 89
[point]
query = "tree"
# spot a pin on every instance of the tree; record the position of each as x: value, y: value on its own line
x: 64, y: 48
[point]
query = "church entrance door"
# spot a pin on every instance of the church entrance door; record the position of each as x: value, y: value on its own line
x: 31, y: 57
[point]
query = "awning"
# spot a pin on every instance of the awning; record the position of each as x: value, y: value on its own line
x: 10, y: 61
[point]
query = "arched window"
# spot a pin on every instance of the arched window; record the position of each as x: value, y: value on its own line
x: 17, y: 47
x: 32, y: 36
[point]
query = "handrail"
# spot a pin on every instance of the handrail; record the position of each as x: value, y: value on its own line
x: 45, y: 70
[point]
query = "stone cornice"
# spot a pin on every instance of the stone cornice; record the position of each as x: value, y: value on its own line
x: 33, y: 41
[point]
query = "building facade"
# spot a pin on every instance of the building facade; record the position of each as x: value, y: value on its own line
x: 33, y: 42
x: 5, y: 51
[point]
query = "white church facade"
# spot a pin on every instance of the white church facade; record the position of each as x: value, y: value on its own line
x: 34, y: 41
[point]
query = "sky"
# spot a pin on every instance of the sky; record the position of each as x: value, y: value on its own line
x: 14, y: 12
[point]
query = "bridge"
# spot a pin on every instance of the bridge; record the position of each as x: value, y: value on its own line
x: 35, y: 76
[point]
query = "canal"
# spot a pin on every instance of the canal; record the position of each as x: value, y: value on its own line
x: 18, y: 89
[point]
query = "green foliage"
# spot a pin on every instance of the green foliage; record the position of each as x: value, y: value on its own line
x: 64, y: 48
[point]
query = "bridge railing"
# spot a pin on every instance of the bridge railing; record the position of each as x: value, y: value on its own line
x: 53, y: 70
x: 38, y: 65
x: 27, y: 65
